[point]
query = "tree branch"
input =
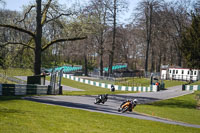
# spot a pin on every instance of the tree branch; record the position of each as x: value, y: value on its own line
x: 62, y: 14
x: 20, y: 43
x: 44, y: 13
x: 18, y: 28
x: 25, y: 15
x: 61, y: 40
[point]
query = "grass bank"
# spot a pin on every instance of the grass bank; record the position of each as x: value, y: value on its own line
x: 21, y: 116
x: 180, y: 109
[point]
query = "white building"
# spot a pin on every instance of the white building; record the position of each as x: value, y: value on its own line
x: 180, y: 74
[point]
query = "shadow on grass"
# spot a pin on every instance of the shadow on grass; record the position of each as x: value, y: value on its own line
x: 7, y: 98
x: 5, y: 110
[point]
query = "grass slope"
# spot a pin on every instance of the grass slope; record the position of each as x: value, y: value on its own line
x: 180, y: 109
x: 21, y: 116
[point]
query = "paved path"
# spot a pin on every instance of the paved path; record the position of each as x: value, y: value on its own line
x: 66, y: 88
x: 111, y: 106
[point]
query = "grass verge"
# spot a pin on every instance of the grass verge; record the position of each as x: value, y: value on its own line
x: 21, y: 116
x: 180, y: 109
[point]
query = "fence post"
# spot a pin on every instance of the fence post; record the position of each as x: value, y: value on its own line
x: 60, y: 90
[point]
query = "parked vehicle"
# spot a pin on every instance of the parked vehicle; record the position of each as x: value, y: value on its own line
x: 128, y: 105
x: 101, y: 99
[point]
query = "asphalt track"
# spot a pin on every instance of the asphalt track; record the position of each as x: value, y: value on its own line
x: 111, y: 106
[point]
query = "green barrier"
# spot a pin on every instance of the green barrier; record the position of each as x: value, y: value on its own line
x: 8, y: 89
x: 31, y: 89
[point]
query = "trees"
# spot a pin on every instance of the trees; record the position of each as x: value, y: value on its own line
x: 178, y: 17
x: 44, y: 16
x: 99, y: 10
x: 190, y: 45
x: 161, y: 24
x: 147, y: 18
x: 118, y: 6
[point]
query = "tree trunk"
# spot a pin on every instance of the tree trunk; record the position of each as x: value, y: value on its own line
x: 37, y: 63
x: 86, y: 65
x: 148, y: 33
x: 101, y: 54
x: 152, y: 60
x: 111, y: 56
x: 179, y: 55
x: 159, y: 62
x: 101, y: 64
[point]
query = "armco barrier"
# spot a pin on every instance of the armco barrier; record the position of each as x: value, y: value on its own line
x: 190, y: 87
x: 151, y: 88
x: 16, y: 89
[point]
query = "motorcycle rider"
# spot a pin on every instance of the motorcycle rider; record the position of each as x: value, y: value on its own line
x: 132, y: 104
x: 101, y: 98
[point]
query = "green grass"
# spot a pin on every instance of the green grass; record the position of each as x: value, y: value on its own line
x: 180, y: 109
x: 16, y: 72
x: 88, y: 89
x: 171, y: 83
x: 21, y: 116
x: 133, y: 82
x: 196, y: 83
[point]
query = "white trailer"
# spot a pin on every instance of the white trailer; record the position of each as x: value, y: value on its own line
x: 185, y: 74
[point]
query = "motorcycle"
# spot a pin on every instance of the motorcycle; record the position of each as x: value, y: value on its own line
x: 128, y: 105
x: 101, y: 99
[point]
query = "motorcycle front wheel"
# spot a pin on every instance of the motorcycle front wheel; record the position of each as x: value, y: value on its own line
x: 96, y: 101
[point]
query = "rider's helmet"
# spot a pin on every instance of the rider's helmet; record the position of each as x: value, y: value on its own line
x: 135, y: 101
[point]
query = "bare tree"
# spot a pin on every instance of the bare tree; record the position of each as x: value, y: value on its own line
x: 99, y: 9
x: 118, y: 6
x: 42, y: 18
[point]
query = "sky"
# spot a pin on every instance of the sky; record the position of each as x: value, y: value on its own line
x: 16, y: 5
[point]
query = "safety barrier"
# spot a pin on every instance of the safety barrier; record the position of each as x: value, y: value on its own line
x: 152, y: 88
x: 116, y: 67
x: 190, y: 87
x: 66, y: 68
x: 16, y: 89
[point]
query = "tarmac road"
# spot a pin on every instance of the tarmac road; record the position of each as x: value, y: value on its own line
x: 114, y: 101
